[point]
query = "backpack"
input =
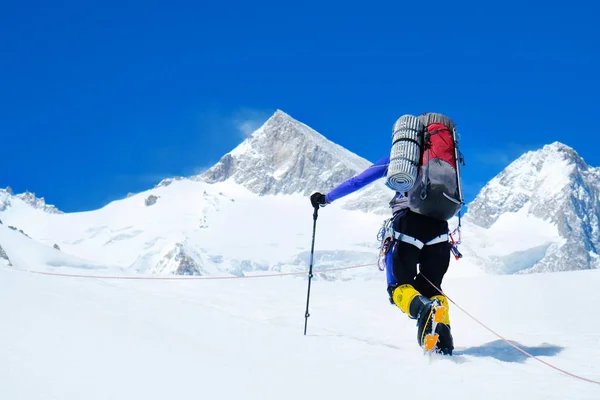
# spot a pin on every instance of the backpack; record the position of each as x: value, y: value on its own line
x: 425, y: 164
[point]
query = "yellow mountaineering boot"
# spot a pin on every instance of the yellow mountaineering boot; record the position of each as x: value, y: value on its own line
x: 445, y: 343
x: 403, y: 295
x: 428, y: 313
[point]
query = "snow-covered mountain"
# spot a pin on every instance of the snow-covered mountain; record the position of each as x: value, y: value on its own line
x: 246, y: 213
x: 196, y: 228
x: 65, y: 333
x: 21, y: 251
x: 250, y: 212
x: 285, y: 156
x: 551, y: 195
x: 30, y: 198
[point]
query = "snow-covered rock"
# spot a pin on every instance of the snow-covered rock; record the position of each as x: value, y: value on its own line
x: 38, y: 203
x: 7, y: 196
x: 553, y: 185
x: 151, y: 200
x: 4, y: 260
x: 285, y: 156
x: 177, y: 261
x: 168, y: 181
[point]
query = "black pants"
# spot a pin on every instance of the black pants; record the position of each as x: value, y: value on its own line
x: 433, y: 260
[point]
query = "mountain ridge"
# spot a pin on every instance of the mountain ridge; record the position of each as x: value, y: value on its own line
x: 285, y: 156
x: 553, y: 184
x: 545, y: 204
x: 39, y: 203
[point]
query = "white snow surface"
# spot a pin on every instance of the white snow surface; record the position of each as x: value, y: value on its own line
x: 104, y: 338
x: 222, y: 228
x: 516, y: 242
x: 73, y: 338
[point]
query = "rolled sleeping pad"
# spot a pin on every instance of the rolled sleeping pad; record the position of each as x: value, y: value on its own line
x: 405, y: 155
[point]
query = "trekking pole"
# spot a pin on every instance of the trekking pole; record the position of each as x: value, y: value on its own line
x: 310, y: 270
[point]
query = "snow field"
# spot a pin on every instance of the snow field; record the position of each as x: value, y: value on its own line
x: 72, y: 338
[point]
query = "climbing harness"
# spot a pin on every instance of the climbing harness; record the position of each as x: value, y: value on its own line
x: 385, y: 237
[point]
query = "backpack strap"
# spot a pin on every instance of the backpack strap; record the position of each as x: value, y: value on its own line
x: 426, y: 147
x: 426, y: 180
x: 460, y: 160
x: 452, y: 199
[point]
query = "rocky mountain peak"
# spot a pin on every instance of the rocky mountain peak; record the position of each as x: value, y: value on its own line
x: 535, y: 179
x: 285, y: 156
x: 29, y: 198
x: 39, y: 203
x: 553, y: 184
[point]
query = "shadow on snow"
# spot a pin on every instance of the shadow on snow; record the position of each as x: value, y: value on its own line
x: 504, y: 352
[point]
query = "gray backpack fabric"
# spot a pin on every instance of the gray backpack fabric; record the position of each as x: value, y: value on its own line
x: 431, y: 180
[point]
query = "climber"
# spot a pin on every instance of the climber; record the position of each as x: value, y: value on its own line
x: 423, y: 169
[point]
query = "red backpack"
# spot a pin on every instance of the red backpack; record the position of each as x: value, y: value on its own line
x: 437, y: 190
x: 424, y: 164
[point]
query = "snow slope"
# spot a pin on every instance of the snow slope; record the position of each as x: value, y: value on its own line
x: 73, y: 338
x: 25, y: 253
x: 212, y: 229
x: 104, y: 338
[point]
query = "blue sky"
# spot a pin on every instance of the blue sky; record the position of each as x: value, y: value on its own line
x: 98, y: 99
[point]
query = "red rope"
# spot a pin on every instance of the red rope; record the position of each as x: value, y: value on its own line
x: 509, y: 342
x: 183, y: 278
